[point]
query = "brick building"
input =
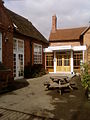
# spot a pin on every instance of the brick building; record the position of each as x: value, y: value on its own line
x: 67, y: 48
x: 20, y: 42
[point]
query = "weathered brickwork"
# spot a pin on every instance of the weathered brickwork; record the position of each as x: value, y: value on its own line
x: 73, y: 43
x: 7, y: 35
x: 7, y: 51
x: 86, y: 41
x: 27, y: 52
x: 87, y: 38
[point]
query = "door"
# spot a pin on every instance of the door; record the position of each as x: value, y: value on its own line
x: 20, y: 67
x: 18, y: 59
x: 59, y: 62
x: 63, y: 62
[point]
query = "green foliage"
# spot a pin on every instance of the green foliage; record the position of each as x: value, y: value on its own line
x: 36, y: 70
x: 85, y: 76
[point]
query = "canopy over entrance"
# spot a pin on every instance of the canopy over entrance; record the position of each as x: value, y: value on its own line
x: 62, y: 48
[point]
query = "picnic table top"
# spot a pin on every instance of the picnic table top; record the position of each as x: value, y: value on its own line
x: 59, y: 78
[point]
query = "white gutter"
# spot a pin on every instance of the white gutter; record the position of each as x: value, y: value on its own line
x: 79, y: 48
x: 55, y: 48
x: 85, y: 30
x: 69, y: 47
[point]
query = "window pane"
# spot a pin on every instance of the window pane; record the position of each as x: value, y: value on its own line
x: 14, y: 65
x: 59, y: 60
x: 15, y: 45
x: 20, y: 46
x: 77, y: 58
x: 66, y: 60
x: 75, y: 64
x: 20, y: 65
x: 37, y: 54
x: 49, y: 60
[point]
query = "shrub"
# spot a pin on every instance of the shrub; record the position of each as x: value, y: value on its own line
x: 36, y: 70
x: 85, y: 76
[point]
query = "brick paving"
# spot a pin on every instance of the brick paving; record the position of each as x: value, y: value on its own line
x: 8, y: 114
x: 34, y: 102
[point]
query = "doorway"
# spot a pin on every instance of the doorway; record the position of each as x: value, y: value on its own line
x: 18, y: 59
x: 63, y: 62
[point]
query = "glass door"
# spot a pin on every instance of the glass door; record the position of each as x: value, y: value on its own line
x: 59, y: 63
x: 18, y: 58
x: 66, y: 67
x: 63, y: 62
x: 14, y: 65
x: 20, y: 65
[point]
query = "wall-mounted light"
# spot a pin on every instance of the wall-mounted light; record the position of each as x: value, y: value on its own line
x: 6, y: 39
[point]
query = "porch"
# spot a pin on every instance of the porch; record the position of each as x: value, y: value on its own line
x: 64, y: 59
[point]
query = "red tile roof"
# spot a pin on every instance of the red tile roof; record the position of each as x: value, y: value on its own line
x: 67, y: 34
x: 25, y: 27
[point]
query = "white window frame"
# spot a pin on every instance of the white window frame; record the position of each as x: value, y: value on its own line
x: 17, y: 52
x: 1, y: 47
x: 17, y: 49
x: 38, y: 62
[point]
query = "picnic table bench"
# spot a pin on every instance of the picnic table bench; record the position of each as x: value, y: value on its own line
x: 59, y: 82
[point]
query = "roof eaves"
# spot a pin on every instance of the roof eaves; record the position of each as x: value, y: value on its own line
x: 46, y: 41
x: 54, y: 40
x: 85, y: 31
x: 37, y: 34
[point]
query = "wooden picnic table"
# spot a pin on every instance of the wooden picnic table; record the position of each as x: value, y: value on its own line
x: 61, y: 79
x: 59, y: 82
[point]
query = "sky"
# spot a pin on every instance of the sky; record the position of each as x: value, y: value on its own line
x: 70, y: 13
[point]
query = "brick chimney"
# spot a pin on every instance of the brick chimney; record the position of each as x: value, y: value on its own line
x: 54, y: 23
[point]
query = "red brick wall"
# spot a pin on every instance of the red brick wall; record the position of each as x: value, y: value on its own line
x: 87, y: 54
x: 7, y: 46
x: 86, y: 40
x: 27, y: 52
x: 73, y: 43
x: 7, y: 52
x: 4, y: 18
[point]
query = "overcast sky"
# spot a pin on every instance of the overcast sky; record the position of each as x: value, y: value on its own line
x: 70, y: 13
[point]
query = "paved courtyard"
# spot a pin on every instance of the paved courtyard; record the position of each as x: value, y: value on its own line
x: 33, y: 99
